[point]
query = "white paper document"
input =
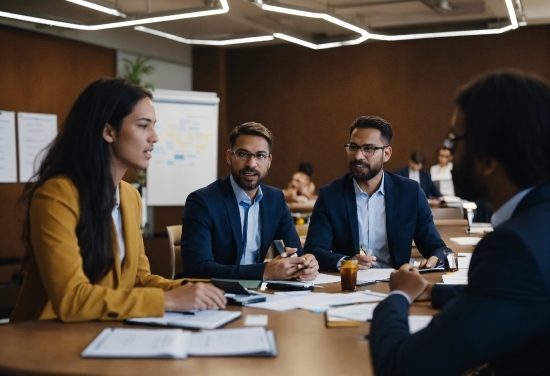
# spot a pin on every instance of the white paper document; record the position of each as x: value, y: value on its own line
x: 8, y: 160
x: 35, y: 132
x: 464, y: 260
x: 178, y: 344
x: 357, y: 312
x: 139, y: 343
x: 193, y: 320
x: 374, y: 274
x: 418, y: 322
x: 325, y: 278
x: 457, y: 278
x: 467, y: 240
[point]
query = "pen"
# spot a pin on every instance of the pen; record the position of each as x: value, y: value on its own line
x: 362, y: 251
x: 345, y: 304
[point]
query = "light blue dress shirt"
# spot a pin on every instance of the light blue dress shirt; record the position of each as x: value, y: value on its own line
x: 505, y: 212
x: 371, y: 215
x: 253, y: 242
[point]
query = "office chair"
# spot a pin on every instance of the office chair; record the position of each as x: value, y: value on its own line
x: 174, y: 237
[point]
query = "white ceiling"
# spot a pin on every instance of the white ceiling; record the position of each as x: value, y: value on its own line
x: 246, y: 19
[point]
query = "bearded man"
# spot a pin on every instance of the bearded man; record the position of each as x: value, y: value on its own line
x: 229, y: 225
x: 369, y: 213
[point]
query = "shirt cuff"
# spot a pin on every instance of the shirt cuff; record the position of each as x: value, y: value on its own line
x: 399, y: 292
x: 340, y: 262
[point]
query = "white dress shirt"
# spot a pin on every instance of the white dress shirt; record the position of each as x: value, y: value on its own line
x: 117, y: 219
x: 414, y: 175
x: 505, y: 212
x: 443, y: 175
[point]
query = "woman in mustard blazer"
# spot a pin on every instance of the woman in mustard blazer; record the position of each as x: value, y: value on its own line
x: 84, y: 251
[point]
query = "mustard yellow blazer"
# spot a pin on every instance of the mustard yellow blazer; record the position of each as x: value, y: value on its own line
x: 55, y: 285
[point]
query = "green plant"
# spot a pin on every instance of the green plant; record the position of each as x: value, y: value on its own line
x: 135, y: 70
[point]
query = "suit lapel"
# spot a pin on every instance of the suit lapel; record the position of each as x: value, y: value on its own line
x: 230, y: 202
x: 351, y: 205
x: 390, y: 199
x: 264, y: 223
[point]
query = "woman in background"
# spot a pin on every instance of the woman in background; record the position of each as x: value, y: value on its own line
x: 85, y: 258
x: 301, y: 189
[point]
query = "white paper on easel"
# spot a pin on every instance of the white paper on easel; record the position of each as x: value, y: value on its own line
x: 35, y: 132
x: 8, y: 161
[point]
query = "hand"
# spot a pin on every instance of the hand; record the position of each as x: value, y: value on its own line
x: 408, y: 280
x: 284, y: 266
x: 194, y: 296
x: 432, y: 262
x: 365, y: 262
x: 311, y: 268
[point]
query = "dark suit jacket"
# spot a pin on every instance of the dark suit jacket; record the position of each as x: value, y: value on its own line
x: 334, y: 225
x: 211, y: 240
x: 501, y: 317
x: 426, y: 182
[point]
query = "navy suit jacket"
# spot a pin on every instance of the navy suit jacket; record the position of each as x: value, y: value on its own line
x: 334, y: 228
x: 426, y: 182
x: 502, y: 317
x: 211, y: 240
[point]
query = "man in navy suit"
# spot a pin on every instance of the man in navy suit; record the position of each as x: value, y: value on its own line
x: 371, y: 210
x: 500, y: 322
x: 414, y: 171
x: 229, y: 225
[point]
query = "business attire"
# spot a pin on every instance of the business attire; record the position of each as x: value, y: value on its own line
x: 55, y: 286
x: 502, y: 317
x: 443, y: 175
x: 425, y: 182
x: 213, y: 241
x: 334, y: 229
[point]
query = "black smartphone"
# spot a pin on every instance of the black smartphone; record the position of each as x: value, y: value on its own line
x: 279, y: 246
x: 288, y: 286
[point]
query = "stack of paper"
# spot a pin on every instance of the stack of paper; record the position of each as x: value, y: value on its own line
x: 178, y: 344
x: 467, y: 240
x: 191, y: 320
x: 457, y: 278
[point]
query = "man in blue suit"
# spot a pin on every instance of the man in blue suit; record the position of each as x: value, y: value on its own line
x: 370, y: 210
x: 500, y: 322
x: 414, y: 171
x: 229, y: 225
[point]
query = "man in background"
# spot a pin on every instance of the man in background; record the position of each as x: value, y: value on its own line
x: 414, y: 172
x: 229, y: 225
x: 499, y: 322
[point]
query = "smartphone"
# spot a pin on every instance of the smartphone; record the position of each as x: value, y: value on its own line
x: 280, y: 246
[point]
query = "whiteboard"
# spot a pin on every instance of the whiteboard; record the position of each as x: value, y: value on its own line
x: 8, y: 160
x: 186, y: 156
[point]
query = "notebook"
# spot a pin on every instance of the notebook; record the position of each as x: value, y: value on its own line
x: 191, y: 320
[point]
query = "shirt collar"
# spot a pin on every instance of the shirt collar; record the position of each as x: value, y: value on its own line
x: 117, y: 196
x: 241, y: 195
x: 359, y: 191
x: 505, y: 212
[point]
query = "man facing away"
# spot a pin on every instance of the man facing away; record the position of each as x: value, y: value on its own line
x: 229, y: 225
x: 369, y: 213
x: 414, y: 172
x: 500, y: 322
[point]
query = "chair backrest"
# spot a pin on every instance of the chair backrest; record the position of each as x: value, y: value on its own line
x: 447, y: 213
x: 174, y: 237
x: 302, y: 229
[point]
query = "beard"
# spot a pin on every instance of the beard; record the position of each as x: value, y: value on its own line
x: 465, y: 181
x: 372, y: 171
x: 238, y: 176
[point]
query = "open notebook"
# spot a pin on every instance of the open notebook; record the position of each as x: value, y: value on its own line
x: 191, y: 320
x: 179, y: 344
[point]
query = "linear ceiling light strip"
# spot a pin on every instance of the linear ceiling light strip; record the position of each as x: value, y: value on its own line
x: 204, y: 42
x: 173, y: 17
x: 97, y: 7
x: 366, y: 35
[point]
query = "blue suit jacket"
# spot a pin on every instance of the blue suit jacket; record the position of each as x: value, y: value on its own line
x: 502, y: 317
x: 211, y: 241
x: 334, y: 225
x: 426, y: 182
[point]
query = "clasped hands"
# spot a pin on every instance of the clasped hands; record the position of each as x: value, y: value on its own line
x: 301, y: 268
x: 408, y: 279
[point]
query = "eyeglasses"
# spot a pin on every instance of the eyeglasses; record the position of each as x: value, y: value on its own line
x: 452, y: 139
x: 367, y: 150
x: 260, y: 156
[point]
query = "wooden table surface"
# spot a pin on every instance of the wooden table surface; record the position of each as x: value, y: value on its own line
x: 306, y: 346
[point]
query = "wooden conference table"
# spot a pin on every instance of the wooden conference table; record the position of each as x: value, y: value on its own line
x: 306, y: 346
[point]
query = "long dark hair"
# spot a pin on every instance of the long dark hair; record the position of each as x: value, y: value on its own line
x: 80, y: 152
